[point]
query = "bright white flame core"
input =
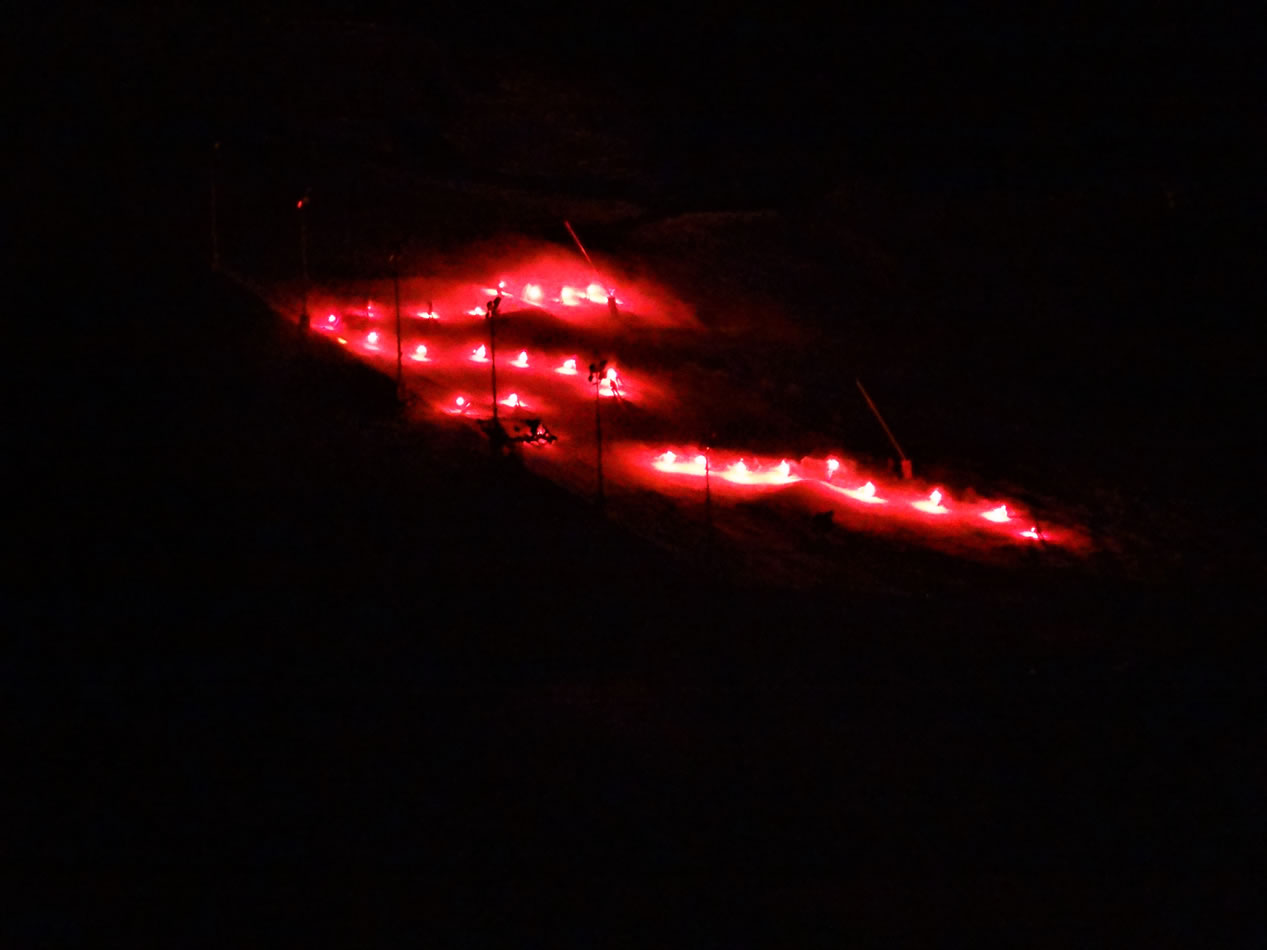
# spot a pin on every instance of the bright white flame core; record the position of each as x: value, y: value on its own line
x: 521, y: 360
x: 570, y: 297
x: 933, y: 505
x: 420, y: 353
x: 480, y: 354
x: 596, y: 293
x: 998, y: 515
x: 373, y: 338
x: 532, y: 292
x: 865, y: 494
x: 512, y: 401
x: 669, y: 462
x: 476, y: 311
x: 568, y: 368
x: 832, y: 465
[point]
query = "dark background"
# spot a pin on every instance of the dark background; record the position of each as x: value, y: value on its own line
x: 199, y: 687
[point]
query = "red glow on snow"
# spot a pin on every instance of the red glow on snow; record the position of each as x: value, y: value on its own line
x: 532, y: 293
x: 670, y: 463
x: 739, y: 473
x: 420, y: 354
x: 513, y: 402
x: 933, y: 505
x: 521, y: 360
x: 568, y: 368
x: 608, y: 385
x: 865, y: 494
x: 570, y: 297
x: 480, y: 354
x: 998, y: 515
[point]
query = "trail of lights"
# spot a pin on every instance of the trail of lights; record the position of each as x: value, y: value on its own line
x: 731, y: 472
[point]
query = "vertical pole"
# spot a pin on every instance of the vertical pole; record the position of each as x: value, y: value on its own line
x: 708, y: 494
x: 492, y: 357
x: 400, y: 377
x: 598, y: 437
x: 303, y: 257
x: 215, y: 227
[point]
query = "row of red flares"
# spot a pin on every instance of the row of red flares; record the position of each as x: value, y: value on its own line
x: 531, y: 294
x: 741, y: 473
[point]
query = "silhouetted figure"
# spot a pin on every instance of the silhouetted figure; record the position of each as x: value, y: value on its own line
x: 611, y: 306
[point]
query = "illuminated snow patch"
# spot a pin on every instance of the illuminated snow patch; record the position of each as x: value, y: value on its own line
x: 671, y: 464
x: 932, y: 505
x: 741, y: 474
x: 865, y: 494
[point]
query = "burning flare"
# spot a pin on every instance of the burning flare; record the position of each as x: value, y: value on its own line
x: 420, y: 353
x: 669, y: 462
x: 866, y: 494
x: 739, y: 473
x: 372, y: 339
x: 933, y: 505
x: 428, y: 315
x: 998, y: 515
x: 521, y: 360
x: 513, y: 402
x: 476, y: 311
x: 532, y: 293
x: 608, y: 384
x: 596, y: 293
x: 570, y: 297
x: 480, y: 354
x: 832, y: 465
x: 568, y: 368
x: 1033, y: 532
